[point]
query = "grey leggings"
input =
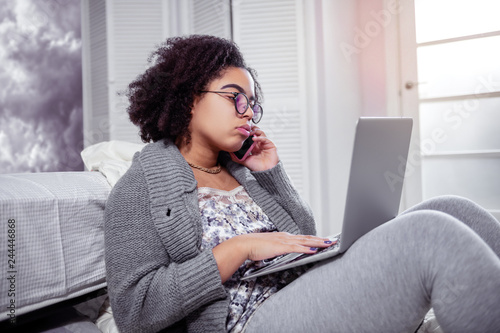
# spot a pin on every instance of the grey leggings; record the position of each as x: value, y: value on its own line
x: 443, y: 253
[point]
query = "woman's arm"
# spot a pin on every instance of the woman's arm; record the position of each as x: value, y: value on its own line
x: 271, y: 175
x: 277, y: 183
x: 148, y: 291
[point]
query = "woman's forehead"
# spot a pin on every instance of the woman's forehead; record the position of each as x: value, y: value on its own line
x: 237, y: 78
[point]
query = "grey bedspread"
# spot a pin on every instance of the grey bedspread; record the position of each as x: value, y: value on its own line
x: 52, y: 245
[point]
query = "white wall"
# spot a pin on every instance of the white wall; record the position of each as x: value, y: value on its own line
x: 353, y: 47
x: 334, y: 104
x: 335, y: 93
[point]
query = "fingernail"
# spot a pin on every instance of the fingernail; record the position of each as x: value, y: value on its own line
x: 313, y: 249
x: 328, y: 242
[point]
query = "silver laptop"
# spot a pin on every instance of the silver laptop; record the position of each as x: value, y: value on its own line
x: 373, y: 193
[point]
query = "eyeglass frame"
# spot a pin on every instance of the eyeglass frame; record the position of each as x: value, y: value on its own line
x: 235, y: 96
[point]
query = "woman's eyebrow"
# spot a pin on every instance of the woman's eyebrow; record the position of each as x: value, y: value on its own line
x: 239, y: 88
x: 234, y: 85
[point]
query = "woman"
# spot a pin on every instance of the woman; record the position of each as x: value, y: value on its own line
x: 187, y: 221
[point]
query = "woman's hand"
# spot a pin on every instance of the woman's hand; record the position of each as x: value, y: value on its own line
x: 260, y: 246
x: 231, y: 254
x: 264, y: 154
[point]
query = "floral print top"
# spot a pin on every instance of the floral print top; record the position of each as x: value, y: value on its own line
x: 226, y: 214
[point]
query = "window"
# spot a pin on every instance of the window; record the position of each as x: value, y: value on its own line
x: 457, y: 51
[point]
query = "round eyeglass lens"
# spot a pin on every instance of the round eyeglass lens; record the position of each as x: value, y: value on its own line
x: 257, y: 113
x: 241, y: 103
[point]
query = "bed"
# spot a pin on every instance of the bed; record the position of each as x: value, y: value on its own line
x: 53, y: 224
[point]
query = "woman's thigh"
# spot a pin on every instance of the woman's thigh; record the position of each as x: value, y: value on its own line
x: 387, y: 281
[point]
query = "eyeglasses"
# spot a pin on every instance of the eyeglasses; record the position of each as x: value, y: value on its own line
x: 241, y: 104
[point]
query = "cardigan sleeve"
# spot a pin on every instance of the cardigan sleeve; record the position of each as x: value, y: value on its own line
x: 278, y: 184
x: 149, y: 292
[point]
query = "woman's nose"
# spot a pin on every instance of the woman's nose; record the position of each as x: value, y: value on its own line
x: 248, y: 114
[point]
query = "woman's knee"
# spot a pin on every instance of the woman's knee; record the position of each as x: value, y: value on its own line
x: 429, y: 226
x: 444, y: 203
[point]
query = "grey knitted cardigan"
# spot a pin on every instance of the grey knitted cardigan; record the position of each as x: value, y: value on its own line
x: 158, y: 278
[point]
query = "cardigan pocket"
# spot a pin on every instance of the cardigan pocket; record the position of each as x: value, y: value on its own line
x: 180, y: 227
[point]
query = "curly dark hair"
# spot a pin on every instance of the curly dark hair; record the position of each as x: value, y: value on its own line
x: 161, y: 98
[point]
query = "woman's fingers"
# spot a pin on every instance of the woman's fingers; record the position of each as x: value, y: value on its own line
x: 265, y: 142
x: 264, y: 155
x: 269, y: 245
x: 255, y: 130
x: 310, y: 244
x: 310, y: 241
x: 258, y: 135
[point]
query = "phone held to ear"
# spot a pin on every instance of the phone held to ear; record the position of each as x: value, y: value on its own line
x: 245, y: 150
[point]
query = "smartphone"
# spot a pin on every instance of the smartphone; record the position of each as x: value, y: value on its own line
x: 245, y: 150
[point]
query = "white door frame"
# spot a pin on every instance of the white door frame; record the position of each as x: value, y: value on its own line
x: 409, y: 102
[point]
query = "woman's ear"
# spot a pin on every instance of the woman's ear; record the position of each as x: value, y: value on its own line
x: 196, y: 100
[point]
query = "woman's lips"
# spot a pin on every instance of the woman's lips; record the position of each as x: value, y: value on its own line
x: 244, y: 131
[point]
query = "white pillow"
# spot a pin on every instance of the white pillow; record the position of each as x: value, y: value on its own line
x: 105, y: 322
x: 111, y: 158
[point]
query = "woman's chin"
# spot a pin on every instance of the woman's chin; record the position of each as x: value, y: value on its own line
x: 233, y: 147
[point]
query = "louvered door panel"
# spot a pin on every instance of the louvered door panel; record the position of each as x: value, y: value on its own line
x: 211, y: 17
x: 97, y: 128
x: 136, y: 30
x: 269, y: 34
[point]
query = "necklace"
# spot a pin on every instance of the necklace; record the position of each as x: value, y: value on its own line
x: 215, y: 170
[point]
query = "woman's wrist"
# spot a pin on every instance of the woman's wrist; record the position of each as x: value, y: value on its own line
x: 239, y: 246
x: 267, y: 168
x: 230, y: 255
